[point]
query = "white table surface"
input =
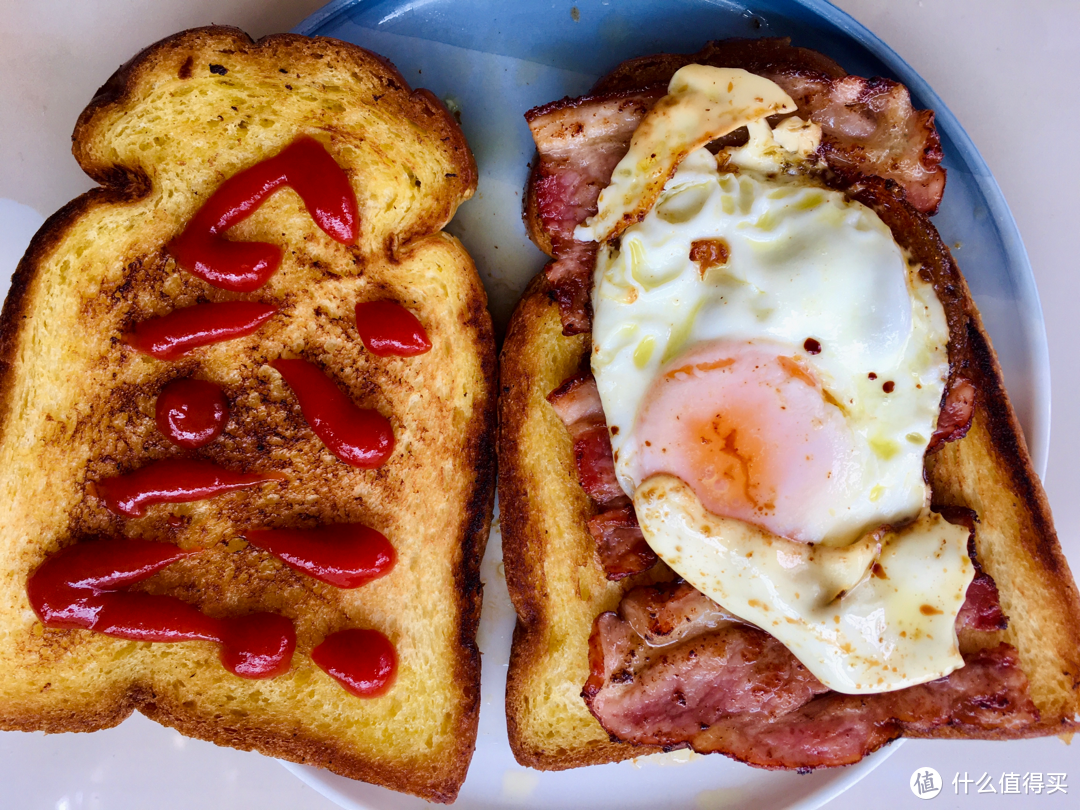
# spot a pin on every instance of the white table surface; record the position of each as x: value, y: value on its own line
x: 1006, y: 69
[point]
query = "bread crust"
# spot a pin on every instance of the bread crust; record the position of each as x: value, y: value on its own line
x: 436, y: 776
x: 543, y: 515
x: 989, y: 470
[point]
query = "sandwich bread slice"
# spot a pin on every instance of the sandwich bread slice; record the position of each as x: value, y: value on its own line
x: 232, y: 378
x: 618, y: 650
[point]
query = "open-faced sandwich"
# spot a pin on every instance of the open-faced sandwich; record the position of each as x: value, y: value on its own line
x: 231, y: 379
x: 762, y: 491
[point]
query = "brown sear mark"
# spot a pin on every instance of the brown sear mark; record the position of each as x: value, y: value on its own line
x: 185, y: 69
x: 709, y: 253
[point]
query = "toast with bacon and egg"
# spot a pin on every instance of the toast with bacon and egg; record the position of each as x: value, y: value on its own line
x: 614, y: 654
x: 184, y: 119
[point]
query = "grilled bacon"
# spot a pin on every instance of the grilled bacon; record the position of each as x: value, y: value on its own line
x: 672, y: 668
x: 989, y: 693
x: 982, y: 608
x: 869, y: 128
x: 577, y: 403
x: 957, y: 410
x: 667, y: 695
x: 619, y: 542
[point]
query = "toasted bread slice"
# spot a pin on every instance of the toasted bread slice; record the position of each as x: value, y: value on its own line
x: 556, y: 581
x: 77, y: 406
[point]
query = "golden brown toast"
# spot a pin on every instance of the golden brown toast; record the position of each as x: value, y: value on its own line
x: 558, y: 586
x: 77, y: 406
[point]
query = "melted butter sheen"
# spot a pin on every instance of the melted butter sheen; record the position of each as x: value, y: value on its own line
x: 858, y: 633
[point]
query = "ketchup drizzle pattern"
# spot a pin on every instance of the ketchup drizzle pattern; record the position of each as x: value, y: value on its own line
x: 172, y: 480
x: 359, y: 437
x: 174, y: 335
x: 308, y: 169
x: 389, y: 329
x: 362, y: 661
x: 84, y: 586
x: 81, y: 587
x: 347, y: 555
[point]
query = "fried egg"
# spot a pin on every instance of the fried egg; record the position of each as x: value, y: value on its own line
x: 763, y: 340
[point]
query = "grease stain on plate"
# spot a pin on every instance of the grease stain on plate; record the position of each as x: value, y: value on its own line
x: 518, y: 786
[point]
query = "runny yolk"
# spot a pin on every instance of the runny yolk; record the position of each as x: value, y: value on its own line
x: 749, y: 429
x: 732, y: 459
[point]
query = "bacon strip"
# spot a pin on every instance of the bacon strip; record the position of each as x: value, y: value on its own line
x: 957, y: 411
x: 675, y: 669
x: 567, y: 182
x: 577, y: 403
x: 982, y: 607
x: 619, y: 542
x: 989, y: 693
x: 668, y: 612
x: 869, y: 128
x: 577, y: 400
x: 665, y: 696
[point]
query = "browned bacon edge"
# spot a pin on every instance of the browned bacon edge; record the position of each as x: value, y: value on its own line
x: 619, y: 542
x: 988, y: 695
x: 957, y: 411
x: 869, y: 128
x: 673, y: 670
x: 982, y: 605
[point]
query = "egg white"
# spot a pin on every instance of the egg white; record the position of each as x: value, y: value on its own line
x: 803, y: 262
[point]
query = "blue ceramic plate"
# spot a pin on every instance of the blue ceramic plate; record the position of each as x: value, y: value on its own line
x: 494, y: 61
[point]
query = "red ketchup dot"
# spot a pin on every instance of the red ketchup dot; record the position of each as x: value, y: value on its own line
x: 362, y: 661
x: 389, y: 329
x: 307, y: 168
x: 191, y: 413
x: 80, y: 588
x: 259, y: 645
x: 347, y: 555
x: 172, y: 480
x: 177, y: 333
x: 358, y: 436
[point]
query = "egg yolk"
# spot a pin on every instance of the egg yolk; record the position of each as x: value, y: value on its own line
x: 751, y: 431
